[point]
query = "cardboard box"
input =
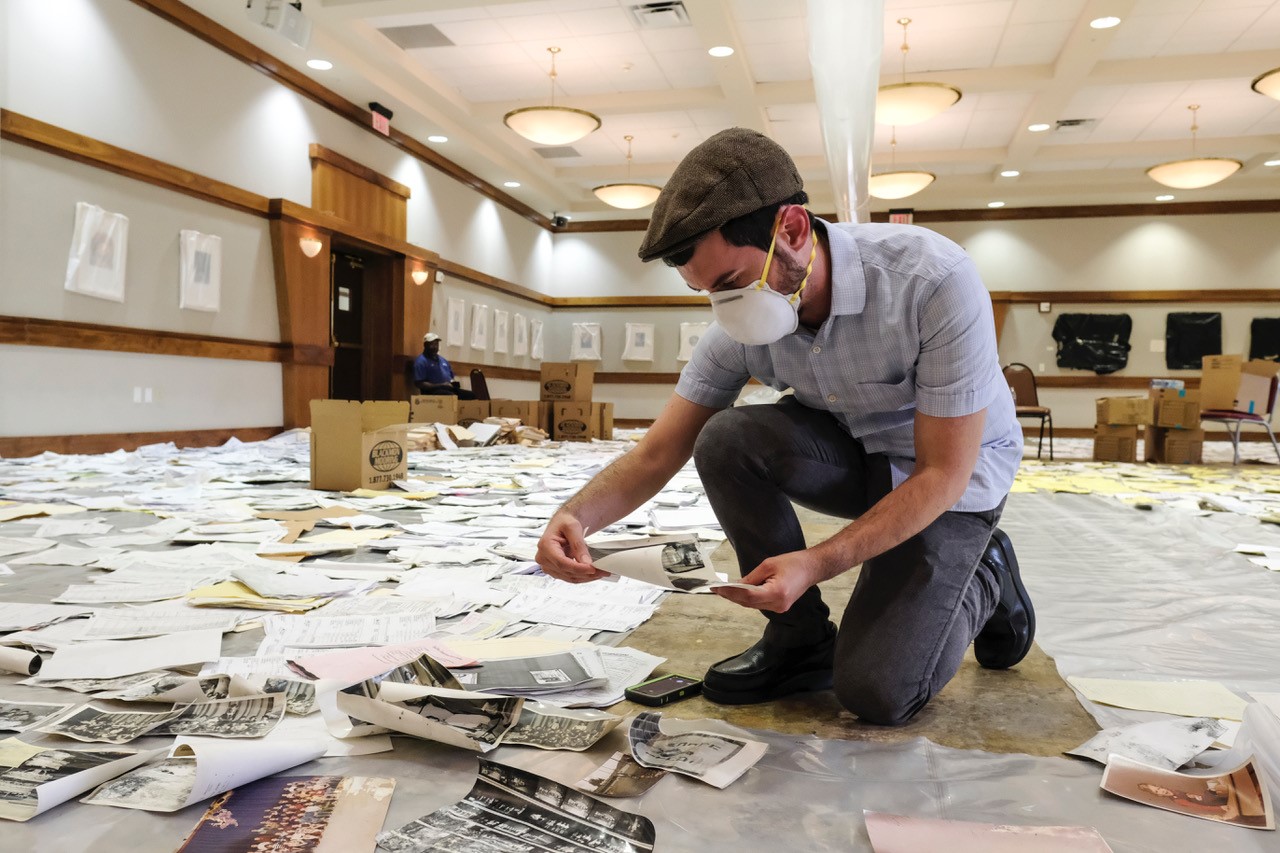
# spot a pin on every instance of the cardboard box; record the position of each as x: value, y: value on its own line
x: 1115, y: 443
x: 572, y: 422
x: 567, y: 380
x: 433, y: 409
x: 1229, y: 382
x: 1176, y: 409
x: 534, y: 413
x: 602, y: 415
x: 358, y: 445
x: 1131, y: 411
x: 470, y: 411
x: 1174, y: 446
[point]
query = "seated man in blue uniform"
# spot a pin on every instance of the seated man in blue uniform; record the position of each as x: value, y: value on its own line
x: 432, y: 373
x: 898, y: 418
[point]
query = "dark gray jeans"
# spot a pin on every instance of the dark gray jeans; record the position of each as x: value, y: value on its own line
x: 915, y: 608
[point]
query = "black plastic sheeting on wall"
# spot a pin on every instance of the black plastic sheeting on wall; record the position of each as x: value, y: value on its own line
x: 1264, y: 338
x: 1097, y: 342
x: 1189, y: 336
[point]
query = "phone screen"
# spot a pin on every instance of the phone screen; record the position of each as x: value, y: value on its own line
x: 664, y: 685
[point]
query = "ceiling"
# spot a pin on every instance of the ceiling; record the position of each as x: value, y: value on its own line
x: 455, y: 67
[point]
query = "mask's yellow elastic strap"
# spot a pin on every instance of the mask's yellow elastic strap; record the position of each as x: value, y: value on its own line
x: 813, y: 253
x: 768, y: 258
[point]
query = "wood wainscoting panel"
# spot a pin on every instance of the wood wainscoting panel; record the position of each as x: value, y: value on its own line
x: 19, y: 446
x: 352, y: 191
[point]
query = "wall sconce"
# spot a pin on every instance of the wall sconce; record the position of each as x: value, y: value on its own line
x: 419, y: 277
x: 310, y: 246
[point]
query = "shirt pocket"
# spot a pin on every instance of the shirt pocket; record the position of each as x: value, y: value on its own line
x: 871, y: 397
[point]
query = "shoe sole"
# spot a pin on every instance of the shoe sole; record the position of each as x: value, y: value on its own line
x: 805, y: 682
x: 1011, y: 560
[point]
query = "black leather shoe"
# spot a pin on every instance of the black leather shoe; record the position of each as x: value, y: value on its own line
x: 1008, y: 634
x: 767, y: 671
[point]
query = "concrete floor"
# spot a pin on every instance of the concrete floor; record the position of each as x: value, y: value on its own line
x: 1027, y: 709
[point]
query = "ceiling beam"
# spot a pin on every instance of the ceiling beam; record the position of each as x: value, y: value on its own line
x: 713, y: 21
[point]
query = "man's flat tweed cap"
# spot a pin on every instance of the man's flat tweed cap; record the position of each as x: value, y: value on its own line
x: 731, y: 174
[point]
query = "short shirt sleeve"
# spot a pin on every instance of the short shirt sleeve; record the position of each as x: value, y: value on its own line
x: 717, y: 371
x: 954, y: 375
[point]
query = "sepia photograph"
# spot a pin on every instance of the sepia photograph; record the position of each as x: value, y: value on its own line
x: 97, y: 725
x: 549, y: 727
x: 621, y: 776
x: 161, y: 787
x: 1238, y: 797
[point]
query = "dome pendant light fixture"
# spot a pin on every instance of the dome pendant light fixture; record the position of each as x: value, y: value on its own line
x: 1196, y: 172
x: 1267, y: 83
x: 552, y: 125
x: 628, y: 196
x: 894, y: 185
x: 911, y: 103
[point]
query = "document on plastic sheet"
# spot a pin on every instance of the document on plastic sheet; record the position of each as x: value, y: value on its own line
x: 1183, y: 698
x: 549, y: 607
x: 707, y: 750
x: 319, y: 632
x: 1161, y: 743
x: 38, y: 778
x: 891, y: 833
x: 112, y: 658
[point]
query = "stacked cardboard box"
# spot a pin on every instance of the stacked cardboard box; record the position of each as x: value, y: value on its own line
x: 1115, y: 437
x: 1175, y: 436
x: 566, y: 388
x: 358, y: 445
x: 433, y: 409
x: 1229, y: 382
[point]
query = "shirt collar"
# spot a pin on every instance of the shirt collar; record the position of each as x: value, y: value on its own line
x: 848, y: 286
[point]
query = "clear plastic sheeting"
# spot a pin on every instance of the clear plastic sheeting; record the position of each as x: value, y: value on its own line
x: 805, y: 794
x: 845, y: 41
x: 1147, y: 594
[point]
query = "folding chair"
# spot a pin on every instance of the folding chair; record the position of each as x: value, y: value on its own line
x: 479, y: 387
x: 1022, y: 382
x: 1231, y: 419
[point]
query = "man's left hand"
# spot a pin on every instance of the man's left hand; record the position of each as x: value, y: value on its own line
x: 778, y: 582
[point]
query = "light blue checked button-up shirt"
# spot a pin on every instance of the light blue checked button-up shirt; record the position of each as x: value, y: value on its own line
x: 910, y: 330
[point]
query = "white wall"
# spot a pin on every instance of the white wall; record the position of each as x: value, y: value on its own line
x: 52, y: 391
x: 605, y: 264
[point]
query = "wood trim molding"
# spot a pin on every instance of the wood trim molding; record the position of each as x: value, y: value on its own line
x: 33, y: 331
x: 186, y: 18
x: 492, y: 282
x: 32, y: 445
x: 1105, y: 382
x: 360, y: 170
x: 25, y: 130
x: 1032, y: 297
x: 1189, y: 208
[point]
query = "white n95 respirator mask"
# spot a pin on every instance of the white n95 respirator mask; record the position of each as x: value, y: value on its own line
x: 757, y: 314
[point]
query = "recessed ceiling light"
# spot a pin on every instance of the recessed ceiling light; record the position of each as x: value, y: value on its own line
x: 511, y: 184
x: 1164, y: 198
x: 1038, y: 128
x: 995, y: 204
x: 720, y: 51
x: 435, y: 137
x: 1105, y: 23
x: 319, y: 64
x: 1272, y: 163
x: 1010, y: 173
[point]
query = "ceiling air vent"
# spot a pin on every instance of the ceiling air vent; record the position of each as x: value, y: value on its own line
x: 556, y: 152
x: 660, y: 16
x: 1074, y: 125
x: 421, y: 35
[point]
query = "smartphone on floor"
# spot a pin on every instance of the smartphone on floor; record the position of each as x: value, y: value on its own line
x: 663, y: 690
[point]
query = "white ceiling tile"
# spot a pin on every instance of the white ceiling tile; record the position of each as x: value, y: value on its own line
x: 1040, y: 11
x: 1037, y: 43
x: 480, y: 31
x: 675, y: 38
x: 759, y: 10
x: 594, y: 22
x: 792, y: 112
x: 774, y: 30
x: 548, y: 28
x: 779, y: 68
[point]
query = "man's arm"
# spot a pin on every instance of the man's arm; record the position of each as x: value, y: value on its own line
x: 946, y: 453
x: 631, y: 480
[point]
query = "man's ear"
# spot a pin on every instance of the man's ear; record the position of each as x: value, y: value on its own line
x: 794, y: 227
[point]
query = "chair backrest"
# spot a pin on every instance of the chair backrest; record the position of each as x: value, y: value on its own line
x: 479, y: 386
x: 1023, y: 382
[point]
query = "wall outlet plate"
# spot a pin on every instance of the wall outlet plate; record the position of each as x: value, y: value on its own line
x: 1046, y: 307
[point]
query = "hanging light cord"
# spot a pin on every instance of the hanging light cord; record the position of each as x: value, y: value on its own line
x: 1194, y: 128
x: 553, y: 51
x: 628, y: 138
x: 905, y: 22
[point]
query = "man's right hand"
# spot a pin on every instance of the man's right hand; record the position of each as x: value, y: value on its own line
x: 562, y: 551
